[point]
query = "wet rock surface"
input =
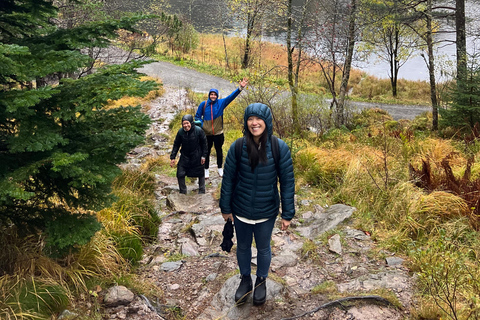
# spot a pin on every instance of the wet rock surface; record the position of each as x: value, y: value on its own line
x: 201, y: 283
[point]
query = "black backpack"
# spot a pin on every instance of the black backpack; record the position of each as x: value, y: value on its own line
x: 275, y: 151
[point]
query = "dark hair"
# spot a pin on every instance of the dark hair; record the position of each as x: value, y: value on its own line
x: 257, y: 153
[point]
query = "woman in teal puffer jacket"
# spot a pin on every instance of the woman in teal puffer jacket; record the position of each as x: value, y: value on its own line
x: 249, y: 196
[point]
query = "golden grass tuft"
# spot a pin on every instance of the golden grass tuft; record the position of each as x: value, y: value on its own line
x: 135, y: 101
x: 435, y: 150
x: 439, y: 205
x: 154, y: 163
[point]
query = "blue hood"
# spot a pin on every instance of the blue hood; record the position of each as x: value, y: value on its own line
x: 216, y: 92
x: 263, y: 112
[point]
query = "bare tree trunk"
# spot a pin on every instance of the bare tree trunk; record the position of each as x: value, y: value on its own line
x: 294, y: 70
x: 246, y: 53
x: 394, y: 61
x: 291, y: 84
x: 226, y: 52
x: 340, y: 117
x: 431, y: 67
x: 461, y: 41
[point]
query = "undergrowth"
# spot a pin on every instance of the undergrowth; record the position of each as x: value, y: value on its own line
x: 416, y: 194
x: 37, y: 285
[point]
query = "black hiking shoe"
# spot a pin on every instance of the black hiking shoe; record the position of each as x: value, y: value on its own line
x: 244, y: 289
x: 260, y: 293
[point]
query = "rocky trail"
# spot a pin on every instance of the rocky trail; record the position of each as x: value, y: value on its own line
x: 202, y: 282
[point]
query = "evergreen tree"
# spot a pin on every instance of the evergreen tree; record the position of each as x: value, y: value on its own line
x: 464, y: 109
x: 59, y: 144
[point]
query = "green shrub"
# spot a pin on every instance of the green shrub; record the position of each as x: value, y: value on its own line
x: 130, y: 246
x: 36, y: 300
x: 449, y: 274
x: 65, y: 233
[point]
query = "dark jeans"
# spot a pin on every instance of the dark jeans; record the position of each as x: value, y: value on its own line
x: 218, y: 141
x: 263, y: 234
x: 183, y: 187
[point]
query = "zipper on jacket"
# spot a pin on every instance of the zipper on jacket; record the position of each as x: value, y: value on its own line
x: 211, y: 113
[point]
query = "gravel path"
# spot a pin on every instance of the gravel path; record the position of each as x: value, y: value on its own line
x: 181, y: 77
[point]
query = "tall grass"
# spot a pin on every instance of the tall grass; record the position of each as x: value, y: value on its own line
x: 432, y: 227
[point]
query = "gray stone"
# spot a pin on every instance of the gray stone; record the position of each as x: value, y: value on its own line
x: 285, y: 259
x: 328, y: 220
x: 208, y: 224
x: 211, y: 277
x: 118, y: 295
x: 194, y: 203
x: 67, y: 315
x: 307, y: 215
x: 305, y: 202
x: 223, y: 302
x: 318, y: 209
x: 394, y: 261
x: 355, y: 234
x: 394, y: 280
x: 189, y: 248
x: 334, y: 244
x: 171, y: 266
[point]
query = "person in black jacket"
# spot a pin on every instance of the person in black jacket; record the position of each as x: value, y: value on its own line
x: 193, y: 143
x: 249, y: 196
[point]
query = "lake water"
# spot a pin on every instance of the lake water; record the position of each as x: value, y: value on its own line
x: 206, y: 16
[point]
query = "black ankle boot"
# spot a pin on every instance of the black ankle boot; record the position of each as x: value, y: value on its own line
x: 244, y: 289
x: 260, y: 293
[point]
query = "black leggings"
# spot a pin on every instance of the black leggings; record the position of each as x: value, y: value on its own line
x: 218, y: 141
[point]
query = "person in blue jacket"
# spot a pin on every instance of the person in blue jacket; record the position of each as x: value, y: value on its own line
x: 249, y: 196
x: 210, y: 115
x: 193, y: 143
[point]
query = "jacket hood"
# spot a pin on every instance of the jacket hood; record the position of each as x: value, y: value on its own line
x: 215, y: 91
x: 188, y: 117
x: 263, y: 112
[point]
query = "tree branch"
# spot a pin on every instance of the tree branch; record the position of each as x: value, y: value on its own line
x: 340, y: 303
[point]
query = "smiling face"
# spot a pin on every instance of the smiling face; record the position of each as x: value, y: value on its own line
x: 256, y: 126
x: 213, y: 96
x: 186, y: 125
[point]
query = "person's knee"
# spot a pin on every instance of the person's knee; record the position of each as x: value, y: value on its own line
x: 243, y: 247
x: 264, y: 251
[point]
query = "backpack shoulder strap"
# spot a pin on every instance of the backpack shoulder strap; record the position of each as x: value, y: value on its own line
x: 238, y: 149
x: 204, y: 106
x: 276, y: 152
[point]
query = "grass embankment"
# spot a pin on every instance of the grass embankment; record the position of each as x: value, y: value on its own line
x: 269, y: 66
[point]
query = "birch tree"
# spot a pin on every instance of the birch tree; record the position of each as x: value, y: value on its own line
x: 294, y: 41
x: 252, y: 12
x: 390, y: 39
x: 333, y: 39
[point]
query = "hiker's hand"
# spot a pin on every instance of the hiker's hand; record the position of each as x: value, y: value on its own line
x: 227, y: 216
x: 285, y: 224
x: 202, y: 161
x: 172, y: 163
x: 243, y: 83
